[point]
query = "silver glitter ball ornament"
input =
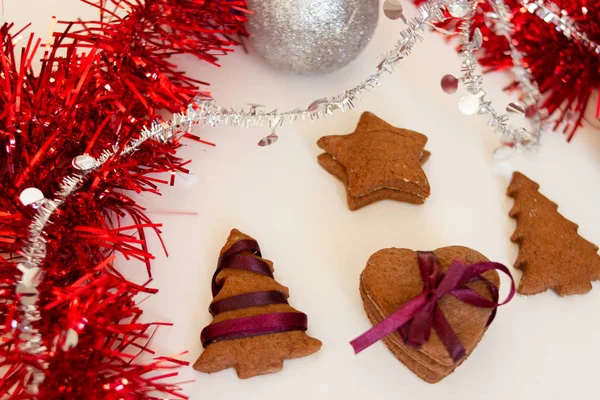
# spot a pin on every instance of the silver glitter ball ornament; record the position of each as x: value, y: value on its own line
x: 311, y: 36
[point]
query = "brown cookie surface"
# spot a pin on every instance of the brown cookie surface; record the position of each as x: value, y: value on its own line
x: 392, y: 277
x: 355, y: 202
x: 428, y: 369
x: 551, y: 253
x: 419, y: 364
x: 254, y: 355
x: 379, y: 156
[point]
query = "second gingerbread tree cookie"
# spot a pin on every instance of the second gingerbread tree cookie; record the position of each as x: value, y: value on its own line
x: 551, y: 253
x: 254, y: 328
x: 376, y: 162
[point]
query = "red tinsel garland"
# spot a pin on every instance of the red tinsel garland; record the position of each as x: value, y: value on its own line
x: 566, y: 71
x: 99, y: 84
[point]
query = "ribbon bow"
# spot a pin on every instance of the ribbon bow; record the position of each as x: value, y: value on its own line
x: 415, y: 319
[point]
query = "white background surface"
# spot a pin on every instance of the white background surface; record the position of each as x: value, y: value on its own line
x: 540, y: 347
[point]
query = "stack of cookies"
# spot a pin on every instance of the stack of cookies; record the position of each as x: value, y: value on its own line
x: 376, y: 162
x: 392, y: 278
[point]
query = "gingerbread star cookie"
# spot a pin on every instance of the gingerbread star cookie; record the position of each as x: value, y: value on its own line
x: 376, y: 162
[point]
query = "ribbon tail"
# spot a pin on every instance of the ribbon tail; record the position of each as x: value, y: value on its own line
x: 447, y: 336
x: 389, y: 325
x: 420, y: 326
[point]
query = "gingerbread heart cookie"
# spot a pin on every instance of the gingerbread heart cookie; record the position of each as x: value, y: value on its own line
x: 431, y: 309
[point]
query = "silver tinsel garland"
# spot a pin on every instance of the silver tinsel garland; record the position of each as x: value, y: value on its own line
x: 430, y: 13
x: 205, y: 111
x: 552, y: 14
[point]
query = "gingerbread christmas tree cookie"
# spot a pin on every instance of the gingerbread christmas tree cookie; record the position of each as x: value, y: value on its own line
x: 254, y: 328
x: 376, y: 162
x: 551, y: 253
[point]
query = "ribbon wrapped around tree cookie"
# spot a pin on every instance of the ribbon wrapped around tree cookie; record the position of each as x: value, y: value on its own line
x: 415, y: 318
x: 240, y: 256
x: 254, y: 328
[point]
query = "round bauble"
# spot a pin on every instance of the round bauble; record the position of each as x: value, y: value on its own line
x: 311, y: 36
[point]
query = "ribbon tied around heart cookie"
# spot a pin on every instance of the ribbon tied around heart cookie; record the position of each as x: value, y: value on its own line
x: 415, y: 319
x: 241, y: 256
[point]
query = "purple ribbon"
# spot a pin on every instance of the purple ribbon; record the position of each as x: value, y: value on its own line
x: 253, y: 326
x: 247, y: 300
x: 415, y: 319
x: 234, y: 258
x: 239, y: 256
